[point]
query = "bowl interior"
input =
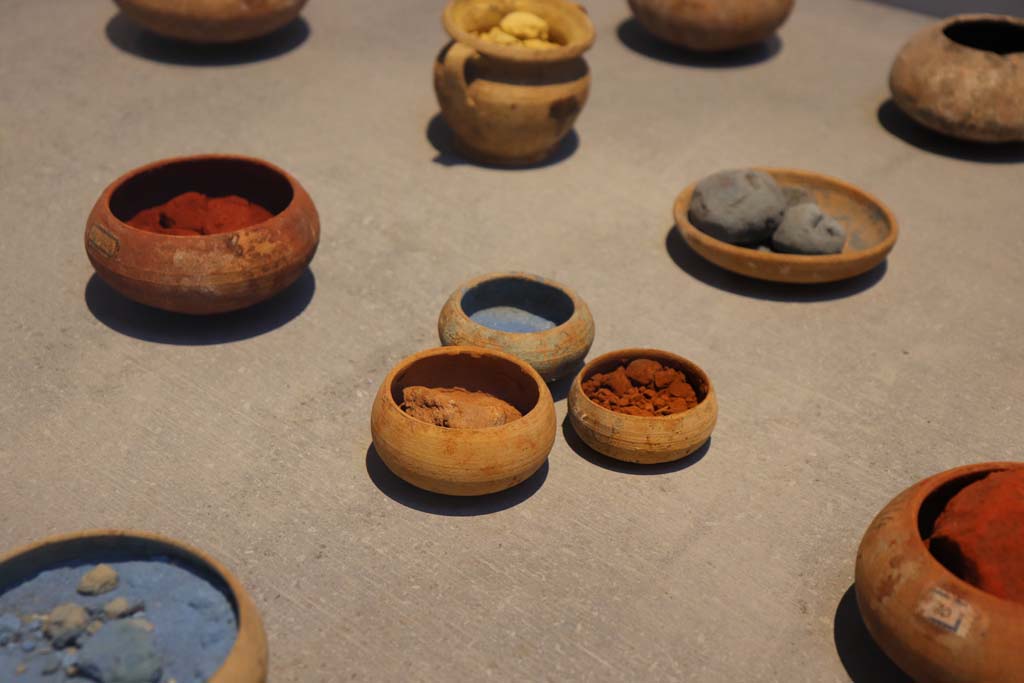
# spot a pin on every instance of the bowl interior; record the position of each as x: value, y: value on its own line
x: 866, y: 224
x: 472, y: 371
x: 568, y: 25
x: 213, y: 176
x: 694, y: 375
x: 91, y: 550
x: 1001, y: 36
x: 515, y: 304
x: 946, y: 554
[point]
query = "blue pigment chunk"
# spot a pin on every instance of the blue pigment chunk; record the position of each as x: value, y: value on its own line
x: 511, y: 319
x: 194, y: 621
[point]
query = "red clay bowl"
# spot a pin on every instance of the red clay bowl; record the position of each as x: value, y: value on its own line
x: 208, y: 273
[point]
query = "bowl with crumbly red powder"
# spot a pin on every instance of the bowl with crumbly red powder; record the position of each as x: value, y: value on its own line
x: 202, y: 234
x: 940, y: 576
x: 643, y: 406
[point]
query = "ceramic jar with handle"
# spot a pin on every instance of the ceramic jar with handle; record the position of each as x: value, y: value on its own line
x: 510, y: 105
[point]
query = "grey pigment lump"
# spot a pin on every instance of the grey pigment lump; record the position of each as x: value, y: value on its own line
x: 511, y: 304
x: 749, y: 209
x: 133, y: 621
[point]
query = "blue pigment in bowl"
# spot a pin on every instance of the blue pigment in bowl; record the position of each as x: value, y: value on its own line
x: 193, y: 617
x: 513, y: 304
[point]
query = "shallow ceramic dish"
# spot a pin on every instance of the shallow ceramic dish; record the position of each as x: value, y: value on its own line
x: 211, y: 21
x: 544, y: 323
x: 932, y: 624
x: 464, y: 462
x: 712, y: 26
x: 510, y: 105
x: 964, y: 77
x: 208, y: 273
x: 246, y: 662
x: 646, y: 440
x: 871, y: 232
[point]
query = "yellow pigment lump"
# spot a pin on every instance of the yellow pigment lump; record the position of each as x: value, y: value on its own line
x: 525, y: 29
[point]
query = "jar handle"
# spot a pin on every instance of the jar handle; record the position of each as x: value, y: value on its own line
x: 455, y: 68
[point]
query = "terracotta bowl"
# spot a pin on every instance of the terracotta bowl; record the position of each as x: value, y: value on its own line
x: 464, y: 462
x: 207, y: 273
x: 871, y: 232
x: 933, y: 625
x: 964, y: 77
x: 712, y: 26
x: 211, y: 21
x: 247, y: 660
x: 503, y: 311
x: 646, y: 440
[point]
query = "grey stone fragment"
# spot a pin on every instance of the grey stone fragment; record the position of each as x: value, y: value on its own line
x: 738, y: 207
x: 51, y: 664
x: 66, y: 623
x: 99, y: 580
x: 807, y: 230
x: 797, y: 195
x: 121, y: 652
x: 9, y: 625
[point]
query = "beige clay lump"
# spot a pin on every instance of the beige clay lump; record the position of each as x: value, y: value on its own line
x: 524, y: 29
x: 457, y: 408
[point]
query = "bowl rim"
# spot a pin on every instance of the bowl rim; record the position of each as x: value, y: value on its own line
x: 578, y: 305
x: 214, y: 156
x: 635, y: 353
x: 408, y: 361
x: 520, y: 54
x: 930, y: 485
x: 250, y: 624
x: 690, y: 232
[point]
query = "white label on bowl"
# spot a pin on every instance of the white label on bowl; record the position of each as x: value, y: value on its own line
x: 948, y: 612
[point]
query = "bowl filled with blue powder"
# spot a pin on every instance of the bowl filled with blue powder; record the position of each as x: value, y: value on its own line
x: 125, y: 607
x: 538, y: 320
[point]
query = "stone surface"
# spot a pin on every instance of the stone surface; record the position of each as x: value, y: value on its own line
x: 457, y: 408
x: 98, y: 580
x: 739, y: 206
x: 65, y: 623
x: 806, y: 229
x: 122, y: 652
x: 728, y: 568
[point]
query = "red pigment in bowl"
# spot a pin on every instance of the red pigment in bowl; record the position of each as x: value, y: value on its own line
x: 980, y: 534
x: 193, y: 213
x: 644, y: 387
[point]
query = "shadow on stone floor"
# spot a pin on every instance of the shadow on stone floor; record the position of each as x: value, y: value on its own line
x: 863, y: 660
x: 442, y: 139
x: 944, y: 8
x: 710, y: 274
x: 133, y: 39
x: 154, y: 325
x: 632, y: 35
x: 892, y: 119
x: 594, y: 458
x: 451, y: 506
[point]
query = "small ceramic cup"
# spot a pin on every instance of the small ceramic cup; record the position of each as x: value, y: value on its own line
x: 208, y: 273
x: 211, y: 21
x: 964, y: 77
x: 464, y: 462
x: 646, y: 440
x: 246, y: 662
x: 538, y: 320
x: 932, y: 624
